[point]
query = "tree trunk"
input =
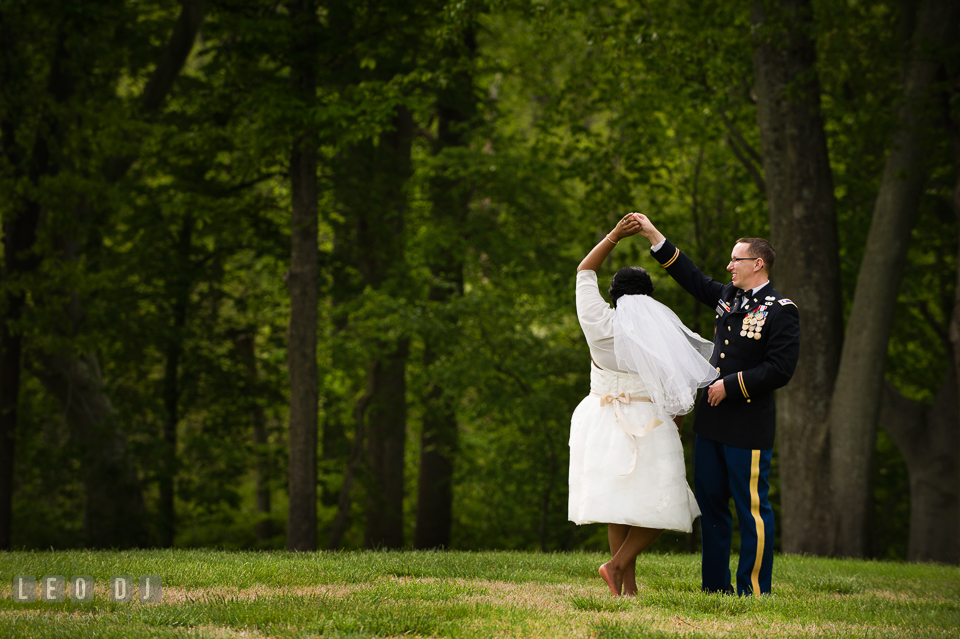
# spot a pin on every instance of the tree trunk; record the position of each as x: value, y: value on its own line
x: 10, y: 352
x: 335, y: 446
x: 353, y: 462
x: 20, y: 259
x: 387, y: 435
x: 19, y: 236
x: 803, y: 227
x: 929, y: 438
x: 855, y: 402
x: 553, y: 471
x: 180, y: 298
x: 456, y: 109
x: 303, y: 280
x: 371, y: 184
x: 114, y: 512
x: 10, y: 366
x: 168, y: 447
x: 246, y: 351
x: 382, y: 263
x: 334, y: 449
x: 954, y: 330
x: 109, y: 517
x: 438, y: 445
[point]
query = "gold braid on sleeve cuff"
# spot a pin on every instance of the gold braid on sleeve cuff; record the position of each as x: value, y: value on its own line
x: 673, y: 259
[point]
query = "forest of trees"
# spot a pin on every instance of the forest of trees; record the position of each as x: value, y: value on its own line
x: 299, y: 273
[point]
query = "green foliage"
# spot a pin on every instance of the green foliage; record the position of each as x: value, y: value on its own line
x: 578, y: 113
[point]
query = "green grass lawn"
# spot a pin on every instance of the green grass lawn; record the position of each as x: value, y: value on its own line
x: 458, y: 594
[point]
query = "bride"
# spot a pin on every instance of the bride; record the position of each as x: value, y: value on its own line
x: 626, y: 459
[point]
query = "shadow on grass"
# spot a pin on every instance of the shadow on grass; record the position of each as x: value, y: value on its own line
x: 321, y: 615
x: 615, y: 630
x: 696, y: 602
x: 836, y: 585
x: 604, y: 603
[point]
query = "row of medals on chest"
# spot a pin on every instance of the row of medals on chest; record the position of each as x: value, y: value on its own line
x: 753, y: 323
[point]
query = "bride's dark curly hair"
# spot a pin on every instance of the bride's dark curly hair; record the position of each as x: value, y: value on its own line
x: 630, y: 280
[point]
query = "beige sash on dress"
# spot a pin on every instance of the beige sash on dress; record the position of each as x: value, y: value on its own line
x: 628, y: 427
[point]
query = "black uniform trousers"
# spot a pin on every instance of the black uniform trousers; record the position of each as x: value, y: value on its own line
x: 721, y: 472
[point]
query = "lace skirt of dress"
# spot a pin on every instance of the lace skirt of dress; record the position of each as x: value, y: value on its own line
x: 655, y: 493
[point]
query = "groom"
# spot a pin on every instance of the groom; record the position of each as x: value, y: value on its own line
x: 756, y: 343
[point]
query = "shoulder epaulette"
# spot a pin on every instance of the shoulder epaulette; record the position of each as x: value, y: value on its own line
x: 785, y: 301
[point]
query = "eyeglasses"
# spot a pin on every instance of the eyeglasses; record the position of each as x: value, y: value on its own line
x: 739, y: 259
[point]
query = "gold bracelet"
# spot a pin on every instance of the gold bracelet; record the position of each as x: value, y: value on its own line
x: 611, y: 241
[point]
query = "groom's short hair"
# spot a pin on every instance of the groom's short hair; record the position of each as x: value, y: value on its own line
x: 759, y: 247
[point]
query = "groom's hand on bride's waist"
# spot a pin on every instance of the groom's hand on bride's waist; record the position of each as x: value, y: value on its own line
x: 716, y: 393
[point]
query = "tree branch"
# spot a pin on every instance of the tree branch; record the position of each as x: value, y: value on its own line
x: 748, y: 165
x: 161, y: 81
x: 242, y: 186
x: 942, y: 332
x: 735, y: 132
x: 174, y: 56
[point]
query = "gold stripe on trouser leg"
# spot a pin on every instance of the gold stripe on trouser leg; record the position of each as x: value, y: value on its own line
x: 755, y: 510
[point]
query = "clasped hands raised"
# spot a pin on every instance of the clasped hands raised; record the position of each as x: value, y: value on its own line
x: 634, y: 223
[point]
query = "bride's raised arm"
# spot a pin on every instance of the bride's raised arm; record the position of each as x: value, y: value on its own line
x: 629, y: 225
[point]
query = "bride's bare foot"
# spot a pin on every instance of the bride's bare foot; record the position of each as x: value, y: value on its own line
x: 610, y: 576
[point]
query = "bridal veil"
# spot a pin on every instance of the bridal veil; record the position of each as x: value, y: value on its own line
x: 652, y: 343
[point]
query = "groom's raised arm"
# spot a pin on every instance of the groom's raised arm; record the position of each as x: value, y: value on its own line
x: 678, y: 265
x: 686, y: 273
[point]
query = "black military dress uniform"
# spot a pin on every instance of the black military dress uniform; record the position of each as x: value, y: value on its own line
x: 756, y: 347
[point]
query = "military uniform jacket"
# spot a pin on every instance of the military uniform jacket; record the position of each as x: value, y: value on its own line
x: 755, y: 350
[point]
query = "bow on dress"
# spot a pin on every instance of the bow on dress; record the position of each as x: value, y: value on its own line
x: 628, y: 427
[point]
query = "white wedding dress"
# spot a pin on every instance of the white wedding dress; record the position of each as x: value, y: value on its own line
x: 626, y: 459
